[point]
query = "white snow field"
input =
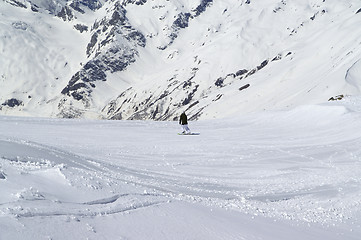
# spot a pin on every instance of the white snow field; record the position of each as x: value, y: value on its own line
x: 292, y: 174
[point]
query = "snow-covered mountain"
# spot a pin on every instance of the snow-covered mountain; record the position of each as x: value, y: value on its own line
x: 152, y: 59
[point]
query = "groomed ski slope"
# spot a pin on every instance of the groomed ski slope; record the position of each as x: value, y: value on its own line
x: 292, y: 174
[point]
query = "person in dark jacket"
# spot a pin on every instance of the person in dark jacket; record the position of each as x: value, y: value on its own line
x: 183, y: 121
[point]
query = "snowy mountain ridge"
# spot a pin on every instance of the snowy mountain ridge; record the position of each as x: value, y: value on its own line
x: 139, y: 59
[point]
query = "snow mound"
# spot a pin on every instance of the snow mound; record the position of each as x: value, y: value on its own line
x: 353, y: 75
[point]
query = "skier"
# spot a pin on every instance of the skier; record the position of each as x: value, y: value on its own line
x: 183, y: 121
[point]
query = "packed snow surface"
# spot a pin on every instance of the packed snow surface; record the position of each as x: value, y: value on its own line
x: 292, y: 174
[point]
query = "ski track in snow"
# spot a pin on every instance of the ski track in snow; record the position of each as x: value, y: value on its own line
x: 265, y: 165
x: 70, y: 160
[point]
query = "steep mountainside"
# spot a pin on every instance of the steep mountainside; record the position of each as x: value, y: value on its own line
x: 152, y: 59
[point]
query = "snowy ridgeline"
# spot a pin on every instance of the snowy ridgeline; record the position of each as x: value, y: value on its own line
x: 274, y: 175
x: 152, y: 59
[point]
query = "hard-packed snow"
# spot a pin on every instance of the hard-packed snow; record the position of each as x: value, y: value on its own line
x: 291, y: 174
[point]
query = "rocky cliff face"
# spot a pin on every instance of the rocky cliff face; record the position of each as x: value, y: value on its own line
x: 113, y: 46
x: 142, y: 59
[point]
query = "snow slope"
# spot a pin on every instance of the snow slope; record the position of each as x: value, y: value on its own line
x: 291, y: 174
x: 39, y: 54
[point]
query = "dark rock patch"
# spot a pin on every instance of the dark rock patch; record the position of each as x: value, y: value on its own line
x: 336, y: 98
x: 81, y: 28
x: 250, y: 73
x: 34, y: 8
x: 76, y: 7
x: 91, y: 44
x: 202, y: 7
x: 182, y: 21
x: 278, y: 57
x: 2, y: 175
x: 66, y: 14
x: 244, y: 87
x: 17, y: 4
x: 219, y: 82
x: 190, y: 96
x: 137, y: 2
x: 192, y: 105
x: 241, y: 72
x: 91, y: 4
x: 13, y: 102
x: 263, y: 64
x: 217, y: 97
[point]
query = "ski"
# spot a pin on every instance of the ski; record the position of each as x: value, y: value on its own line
x: 189, y: 133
